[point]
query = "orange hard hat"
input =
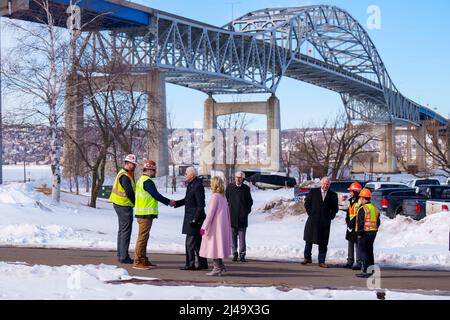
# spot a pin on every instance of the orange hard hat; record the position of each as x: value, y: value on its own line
x: 356, y: 187
x: 150, y: 165
x: 365, y: 193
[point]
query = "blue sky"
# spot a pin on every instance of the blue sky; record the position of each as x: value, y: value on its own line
x: 414, y: 43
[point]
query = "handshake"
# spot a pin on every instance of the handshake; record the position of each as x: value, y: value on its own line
x: 172, y: 203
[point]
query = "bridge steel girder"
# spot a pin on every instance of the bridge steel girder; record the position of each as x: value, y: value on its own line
x: 254, y: 52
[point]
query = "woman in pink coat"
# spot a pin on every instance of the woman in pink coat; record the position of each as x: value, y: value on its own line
x: 216, y: 229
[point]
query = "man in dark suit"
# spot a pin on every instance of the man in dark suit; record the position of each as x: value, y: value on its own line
x: 321, y: 204
x: 194, y: 215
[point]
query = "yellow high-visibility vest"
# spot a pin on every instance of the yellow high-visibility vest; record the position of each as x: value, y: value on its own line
x: 118, y: 195
x: 370, y: 218
x: 146, y: 205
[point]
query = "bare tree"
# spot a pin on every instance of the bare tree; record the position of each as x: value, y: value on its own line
x: 38, y: 68
x: 331, y: 147
x: 172, y: 145
x: 436, y: 146
x: 232, y: 128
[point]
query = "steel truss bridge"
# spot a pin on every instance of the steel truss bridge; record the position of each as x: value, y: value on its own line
x: 321, y: 45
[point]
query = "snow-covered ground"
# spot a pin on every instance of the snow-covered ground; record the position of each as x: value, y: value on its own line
x: 28, y: 218
x: 20, y: 281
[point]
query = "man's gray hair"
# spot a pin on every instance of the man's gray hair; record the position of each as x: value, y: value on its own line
x: 193, y: 170
x: 325, y: 178
x: 240, y: 174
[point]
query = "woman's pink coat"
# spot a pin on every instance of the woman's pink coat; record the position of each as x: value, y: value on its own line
x: 216, y: 243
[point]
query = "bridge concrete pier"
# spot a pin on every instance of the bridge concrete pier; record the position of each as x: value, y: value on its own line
x: 420, y: 135
x: 210, y: 148
x: 152, y: 84
x: 157, y: 121
x: 387, y: 158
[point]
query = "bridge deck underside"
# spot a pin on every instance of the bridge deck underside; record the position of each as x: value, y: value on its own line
x: 334, y: 81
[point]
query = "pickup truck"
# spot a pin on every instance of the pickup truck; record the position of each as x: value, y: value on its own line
x: 434, y: 206
x: 416, y: 207
x: 386, y: 199
x: 422, y: 182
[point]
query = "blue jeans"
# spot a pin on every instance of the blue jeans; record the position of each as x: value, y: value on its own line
x: 323, y: 248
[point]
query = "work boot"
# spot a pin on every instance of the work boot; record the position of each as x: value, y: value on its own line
x: 127, y: 260
x: 148, y: 263
x: 235, y: 257
x: 242, y: 258
x: 348, y: 266
x: 141, y: 265
x: 323, y: 265
x: 306, y: 261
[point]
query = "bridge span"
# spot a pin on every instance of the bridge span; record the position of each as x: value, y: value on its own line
x: 249, y: 55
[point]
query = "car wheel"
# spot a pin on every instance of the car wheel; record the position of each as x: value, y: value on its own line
x: 398, y: 211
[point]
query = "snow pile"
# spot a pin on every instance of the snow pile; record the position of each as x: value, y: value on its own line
x: 20, y: 281
x: 16, y: 195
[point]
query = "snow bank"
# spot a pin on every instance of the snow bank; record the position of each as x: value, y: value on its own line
x: 20, y: 281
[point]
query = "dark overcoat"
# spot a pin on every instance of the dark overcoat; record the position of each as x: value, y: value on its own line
x: 320, y: 214
x: 194, y: 212
x: 240, y: 202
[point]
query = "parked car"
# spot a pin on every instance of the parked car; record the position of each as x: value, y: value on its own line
x: 300, y: 192
x: 273, y: 182
x: 341, y: 188
x: 423, y: 182
x: 434, y: 206
x: 416, y: 207
x: 381, y: 200
x: 448, y: 181
x: 374, y: 186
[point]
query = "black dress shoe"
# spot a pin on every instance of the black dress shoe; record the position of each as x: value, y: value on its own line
x: 357, y: 267
x: 348, y: 266
x: 235, y: 257
x: 127, y: 260
x: 364, y: 275
x: 186, y: 268
x: 202, y: 268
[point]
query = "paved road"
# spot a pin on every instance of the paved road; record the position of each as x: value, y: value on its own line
x: 254, y: 273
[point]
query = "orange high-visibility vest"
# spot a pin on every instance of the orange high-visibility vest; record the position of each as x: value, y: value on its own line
x: 353, y: 209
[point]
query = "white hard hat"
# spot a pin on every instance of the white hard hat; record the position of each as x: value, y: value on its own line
x: 131, y: 158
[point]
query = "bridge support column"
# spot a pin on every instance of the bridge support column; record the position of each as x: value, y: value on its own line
x: 157, y: 121
x: 408, y: 147
x: 421, y: 138
x: 388, y: 159
x: 209, y: 137
x: 274, y: 133
x: 210, y: 151
x: 73, y: 122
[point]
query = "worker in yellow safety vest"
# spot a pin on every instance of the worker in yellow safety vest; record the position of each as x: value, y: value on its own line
x: 145, y: 211
x: 368, y: 223
x: 350, y: 219
x: 123, y: 198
